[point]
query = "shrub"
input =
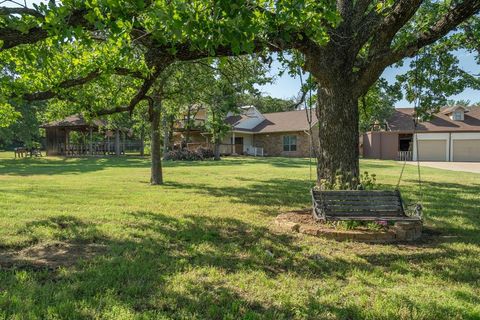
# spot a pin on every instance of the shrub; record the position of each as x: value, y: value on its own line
x: 205, y: 153
x: 188, y: 155
x: 352, y: 225
x: 367, y: 182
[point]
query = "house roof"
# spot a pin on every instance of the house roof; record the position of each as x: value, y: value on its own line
x: 449, y: 110
x: 402, y: 120
x: 287, y: 121
x: 76, y: 120
x: 234, y: 120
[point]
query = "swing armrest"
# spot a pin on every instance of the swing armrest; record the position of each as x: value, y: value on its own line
x: 414, y: 210
x: 418, y: 210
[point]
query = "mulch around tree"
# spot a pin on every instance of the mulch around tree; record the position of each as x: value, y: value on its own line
x: 302, y: 221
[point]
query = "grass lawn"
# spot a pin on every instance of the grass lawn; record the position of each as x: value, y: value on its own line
x: 199, y: 246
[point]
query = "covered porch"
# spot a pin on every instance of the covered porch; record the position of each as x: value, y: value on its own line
x: 75, y: 136
x: 234, y: 143
x: 240, y: 143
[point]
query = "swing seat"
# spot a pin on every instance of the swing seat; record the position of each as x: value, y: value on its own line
x: 360, y: 205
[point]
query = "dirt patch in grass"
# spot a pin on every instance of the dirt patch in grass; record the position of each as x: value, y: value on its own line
x: 51, y: 255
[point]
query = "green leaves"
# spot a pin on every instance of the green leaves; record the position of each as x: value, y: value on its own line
x: 8, y: 115
x: 378, y: 104
x: 436, y: 75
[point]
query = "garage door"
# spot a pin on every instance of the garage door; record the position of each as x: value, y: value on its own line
x: 466, y: 150
x: 432, y: 150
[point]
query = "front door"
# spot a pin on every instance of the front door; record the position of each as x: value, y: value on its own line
x: 238, y: 145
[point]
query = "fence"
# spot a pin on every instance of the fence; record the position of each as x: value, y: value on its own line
x: 405, y: 155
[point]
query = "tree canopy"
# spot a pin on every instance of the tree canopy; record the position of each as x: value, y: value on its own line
x: 345, y: 45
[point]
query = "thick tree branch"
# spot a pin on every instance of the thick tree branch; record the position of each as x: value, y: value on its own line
x: 70, y: 83
x: 6, y: 11
x: 12, y: 37
x: 369, y: 73
x: 139, y: 96
x: 360, y: 8
x: 127, y: 72
x: 51, y: 93
x: 384, y: 30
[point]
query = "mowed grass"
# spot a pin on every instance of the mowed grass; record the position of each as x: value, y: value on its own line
x: 201, y: 246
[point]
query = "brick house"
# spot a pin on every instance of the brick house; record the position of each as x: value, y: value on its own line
x: 284, y: 134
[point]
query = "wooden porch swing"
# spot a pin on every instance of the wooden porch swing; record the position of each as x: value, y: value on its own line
x: 366, y: 205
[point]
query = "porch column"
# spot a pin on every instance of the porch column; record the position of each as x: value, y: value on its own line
x: 91, y: 141
x: 67, y: 141
x: 117, y: 142
x: 233, y: 142
x: 123, y: 142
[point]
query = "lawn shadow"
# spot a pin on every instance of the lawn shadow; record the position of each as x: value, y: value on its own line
x: 453, y: 208
x: 59, y: 165
x: 185, y: 267
x: 54, y: 166
x: 266, y: 193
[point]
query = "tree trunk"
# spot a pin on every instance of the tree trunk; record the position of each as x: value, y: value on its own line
x: 337, y: 112
x: 156, y: 148
x: 117, y: 142
x: 142, y: 141
x: 217, y: 150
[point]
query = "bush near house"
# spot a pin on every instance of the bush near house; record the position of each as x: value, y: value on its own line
x: 189, y: 155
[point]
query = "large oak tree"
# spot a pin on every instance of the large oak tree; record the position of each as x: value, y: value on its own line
x: 346, y: 45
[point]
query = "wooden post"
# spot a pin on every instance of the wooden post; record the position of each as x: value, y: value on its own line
x: 123, y: 142
x: 233, y: 143
x: 67, y: 141
x: 91, y: 141
x: 117, y: 142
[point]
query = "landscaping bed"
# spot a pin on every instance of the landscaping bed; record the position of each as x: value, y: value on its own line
x: 303, y: 222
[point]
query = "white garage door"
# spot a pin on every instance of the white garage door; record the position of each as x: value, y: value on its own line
x: 466, y: 150
x: 432, y: 150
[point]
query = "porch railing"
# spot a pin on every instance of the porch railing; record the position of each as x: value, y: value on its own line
x: 405, y: 155
x: 255, y: 151
x: 98, y: 148
x: 195, y: 145
x: 227, y: 148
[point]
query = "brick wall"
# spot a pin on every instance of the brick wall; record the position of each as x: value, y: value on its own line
x: 272, y: 143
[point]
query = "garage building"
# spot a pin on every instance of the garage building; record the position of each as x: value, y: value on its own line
x: 453, y: 134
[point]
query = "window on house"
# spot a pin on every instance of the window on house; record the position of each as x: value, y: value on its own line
x: 457, y: 115
x: 289, y: 143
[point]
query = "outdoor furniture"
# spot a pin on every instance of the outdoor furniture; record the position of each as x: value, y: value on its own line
x: 361, y: 205
x: 35, y: 152
x: 20, y: 152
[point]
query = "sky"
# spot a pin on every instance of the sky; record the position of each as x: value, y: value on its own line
x: 286, y: 86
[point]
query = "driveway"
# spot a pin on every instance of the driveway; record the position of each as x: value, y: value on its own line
x: 453, y: 166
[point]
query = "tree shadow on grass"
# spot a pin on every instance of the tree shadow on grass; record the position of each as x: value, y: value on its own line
x: 56, y: 166
x: 267, y: 193
x: 186, y: 267
x: 453, y: 208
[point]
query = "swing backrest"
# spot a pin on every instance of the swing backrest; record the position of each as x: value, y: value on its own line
x: 359, y: 205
